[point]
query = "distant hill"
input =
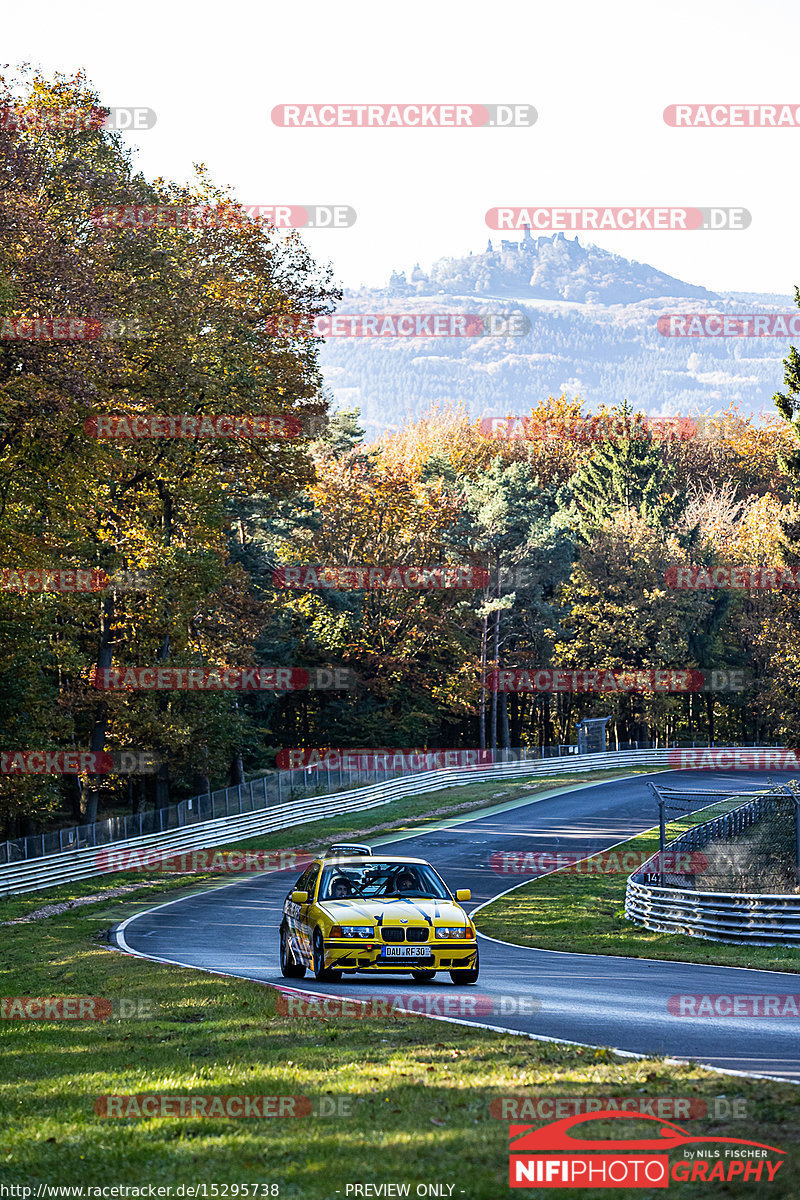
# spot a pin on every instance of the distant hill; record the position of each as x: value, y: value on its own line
x: 593, y: 333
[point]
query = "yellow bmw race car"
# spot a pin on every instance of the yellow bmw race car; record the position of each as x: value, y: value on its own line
x: 359, y: 913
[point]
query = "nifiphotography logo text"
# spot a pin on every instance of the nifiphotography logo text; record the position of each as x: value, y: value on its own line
x: 552, y: 1156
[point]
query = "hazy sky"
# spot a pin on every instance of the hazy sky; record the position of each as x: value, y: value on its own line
x: 599, y: 75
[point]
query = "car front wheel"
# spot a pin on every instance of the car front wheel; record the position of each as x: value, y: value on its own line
x: 470, y: 975
x: 320, y: 973
x: 289, y: 968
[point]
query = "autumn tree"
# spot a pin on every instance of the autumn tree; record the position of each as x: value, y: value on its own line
x: 199, y: 297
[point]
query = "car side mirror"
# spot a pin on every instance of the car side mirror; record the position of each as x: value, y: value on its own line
x: 463, y: 894
x: 299, y: 897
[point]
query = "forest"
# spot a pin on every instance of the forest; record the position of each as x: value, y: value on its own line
x: 544, y: 551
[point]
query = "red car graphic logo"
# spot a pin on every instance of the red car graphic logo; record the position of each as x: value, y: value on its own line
x: 525, y: 1138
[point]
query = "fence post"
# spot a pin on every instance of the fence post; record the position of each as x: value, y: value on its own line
x: 266, y: 797
x: 280, y: 792
x: 662, y: 841
x: 797, y: 835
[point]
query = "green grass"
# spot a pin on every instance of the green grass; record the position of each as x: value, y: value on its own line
x: 585, y: 913
x: 418, y: 1091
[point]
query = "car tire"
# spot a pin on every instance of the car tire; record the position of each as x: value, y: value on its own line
x: 320, y: 973
x: 470, y: 975
x: 289, y: 968
x: 422, y: 976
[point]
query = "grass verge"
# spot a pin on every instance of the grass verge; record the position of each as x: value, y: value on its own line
x: 410, y: 1097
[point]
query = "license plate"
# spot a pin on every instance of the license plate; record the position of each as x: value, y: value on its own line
x: 404, y: 951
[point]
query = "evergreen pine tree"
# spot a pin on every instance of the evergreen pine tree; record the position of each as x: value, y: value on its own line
x: 788, y: 405
x: 341, y: 434
x: 626, y: 473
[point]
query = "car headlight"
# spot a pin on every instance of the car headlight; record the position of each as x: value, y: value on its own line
x: 357, y: 931
x: 451, y: 931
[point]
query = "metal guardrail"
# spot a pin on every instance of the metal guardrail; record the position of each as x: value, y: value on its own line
x: 88, y: 862
x: 752, y: 918
x: 759, y: 919
x: 274, y: 787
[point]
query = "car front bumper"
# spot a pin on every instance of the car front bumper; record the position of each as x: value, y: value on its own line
x: 352, y: 955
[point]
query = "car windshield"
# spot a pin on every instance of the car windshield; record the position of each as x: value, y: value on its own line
x: 381, y: 880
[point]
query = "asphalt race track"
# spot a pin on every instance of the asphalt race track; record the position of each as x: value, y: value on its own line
x: 595, y: 999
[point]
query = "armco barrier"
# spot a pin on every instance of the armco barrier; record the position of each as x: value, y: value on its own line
x: 273, y: 787
x: 757, y: 919
x: 68, y: 866
x: 52, y: 869
x: 754, y: 918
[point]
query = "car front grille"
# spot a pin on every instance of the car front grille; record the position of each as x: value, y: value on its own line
x: 393, y: 934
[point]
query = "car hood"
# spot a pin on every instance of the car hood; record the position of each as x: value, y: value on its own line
x: 394, y: 911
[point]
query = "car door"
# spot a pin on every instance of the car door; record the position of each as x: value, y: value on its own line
x: 294, y: 914
x: 303, y: 920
